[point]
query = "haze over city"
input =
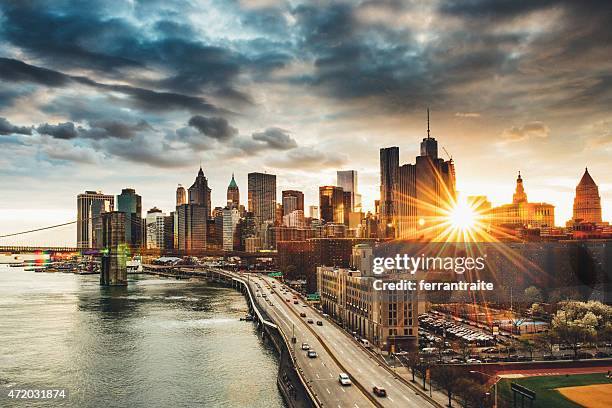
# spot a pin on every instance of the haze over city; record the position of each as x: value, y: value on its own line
x: 140, y: 94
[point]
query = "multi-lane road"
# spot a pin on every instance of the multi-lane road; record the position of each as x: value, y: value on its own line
x: 337, y: 353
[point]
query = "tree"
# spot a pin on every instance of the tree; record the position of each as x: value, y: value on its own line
x: 413, y: 360
x: 533, y: 295
x: 577, y: 322
x: 471, y: 393
x: 446, y: 378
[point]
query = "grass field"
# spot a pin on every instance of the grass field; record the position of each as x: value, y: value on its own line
x: 544, y: 387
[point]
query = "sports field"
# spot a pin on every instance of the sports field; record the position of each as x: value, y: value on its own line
x: 587, y: 390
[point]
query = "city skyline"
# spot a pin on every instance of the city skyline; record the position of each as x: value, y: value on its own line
x: 143, y: 95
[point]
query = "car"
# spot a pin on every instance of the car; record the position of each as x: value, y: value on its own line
x: 365, y: 343
x: 549, y: 357
x: 344, y: 379
x: 288, y: 300
x: 302, y: 314
x: 379, y: 391
x: 602, y: 354
x: 305, y: 346
x: 295, y: 302
x: 311, y: 354
x: 319, y: 323
x: 310, y: 321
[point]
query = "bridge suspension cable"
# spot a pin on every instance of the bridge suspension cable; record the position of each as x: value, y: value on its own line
x: 37, y: 229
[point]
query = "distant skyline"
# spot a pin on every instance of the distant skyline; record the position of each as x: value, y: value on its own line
x: 138, y: 94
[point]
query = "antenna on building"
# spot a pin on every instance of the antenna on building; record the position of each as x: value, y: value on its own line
x: 428, y: 122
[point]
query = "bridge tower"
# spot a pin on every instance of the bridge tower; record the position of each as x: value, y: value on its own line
x: 114, y: 255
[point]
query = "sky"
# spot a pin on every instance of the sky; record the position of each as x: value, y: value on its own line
x: 104, y: 95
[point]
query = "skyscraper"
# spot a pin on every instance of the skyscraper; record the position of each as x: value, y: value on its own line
x: 155, y: 220
x: 90, y: 206
x: 420, y: 193
x: 130, y: 203
x: 231, y: 217
x: 262, y: 197
x: 331, y: 204
x: 199, y: 193
x: 292, y: 200
x: 587, y: 203
x: 181, y: 195
x: 190, y: 226
x: 233, y: 194
x: 347, y: 179
x: 389, y: 167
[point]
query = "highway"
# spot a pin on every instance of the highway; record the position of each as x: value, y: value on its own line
x: 338, y: 352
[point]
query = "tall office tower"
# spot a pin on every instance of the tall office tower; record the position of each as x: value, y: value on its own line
x: 155, y: 220
x: 191, y: 225
x: 347, y: 179
x: 231, y: 216
x: 389, y: 165
x: 262, y: 197
x: 331, y: 204
x: 233, y: 194
x: 347, y: 201
x: 199, y: 193
x: 90, y: 206
x: 181, y: 195
x: 114, y: 260
x: 587, y: 203
x: 130, y: 203
x: 169, y: 232
x: 422, y: 192
x: 292, y: 200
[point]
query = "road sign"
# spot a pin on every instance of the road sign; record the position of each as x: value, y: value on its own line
x: 275, y: 274
x: 524, y: 392
x: 313, y: 297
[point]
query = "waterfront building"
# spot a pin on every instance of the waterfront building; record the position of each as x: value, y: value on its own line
x: 262, y: 197
x: 233, y: 194
x: 130, y: 203
x: 587, y: 202
x: 90, y: 206
x: 155, y: 221
x: 522, y: 214
x: 331, y: 204
x: 181, y: 195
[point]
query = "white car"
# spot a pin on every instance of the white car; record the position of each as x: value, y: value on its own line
x: 305, y: 346
x: 344, y: 379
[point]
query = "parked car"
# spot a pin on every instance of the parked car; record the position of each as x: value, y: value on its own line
x: 311, y: 354
x: 302, y: 314
x: 319, y: 323
x: 379, y: 391
x: 344, y: 379
x: 310, y: 321
x: 305, y: 346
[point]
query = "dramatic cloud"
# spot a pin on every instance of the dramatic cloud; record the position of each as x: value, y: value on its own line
x: 65, y: 130
x: 307, y: 157
x: 276, y: 138
x: 526, y: 131
x: 214, y: 127
x: 101, y: 129
x: 6, y: 128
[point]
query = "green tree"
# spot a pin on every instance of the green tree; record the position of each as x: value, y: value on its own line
x: 533, y: 295
x: 576, y: 322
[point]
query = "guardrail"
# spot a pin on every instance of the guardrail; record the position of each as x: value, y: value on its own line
x: 311, y: 393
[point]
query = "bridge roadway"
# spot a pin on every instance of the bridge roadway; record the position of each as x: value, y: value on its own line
x: 337, y: 353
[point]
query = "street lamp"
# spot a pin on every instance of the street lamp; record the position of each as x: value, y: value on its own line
x: 494, y: 384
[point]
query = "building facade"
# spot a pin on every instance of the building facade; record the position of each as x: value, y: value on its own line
x: 181, y: 195
x: 587, y: 202
x: 199, y: 193
x: 233, y: 194
x: 331, y: 204
x: 262, y: 197
x: 155, y: 221
x: 231, y: 216
x: 522, y: 214
x: 90, y: 206
x: 130, y: 203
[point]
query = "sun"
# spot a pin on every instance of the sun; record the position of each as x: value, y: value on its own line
x: 462, y: 216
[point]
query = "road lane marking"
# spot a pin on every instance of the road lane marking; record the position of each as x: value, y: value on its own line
x: 327, y: 389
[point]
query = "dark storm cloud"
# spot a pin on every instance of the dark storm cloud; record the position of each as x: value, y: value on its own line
x: 147, y: 99
x: 213, y: 127
x: 65, y: 130
x: 275, y: 138
x: 7, y: 128
x: 100, y: 129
